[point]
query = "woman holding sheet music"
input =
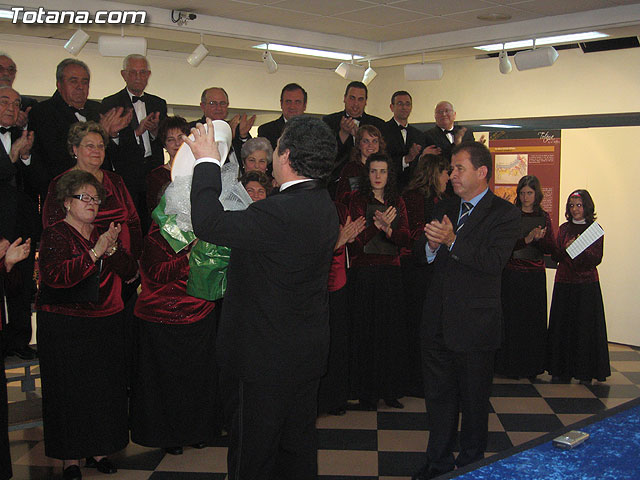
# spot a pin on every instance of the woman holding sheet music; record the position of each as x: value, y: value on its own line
x: 524, y: 288
x: 577, y: 336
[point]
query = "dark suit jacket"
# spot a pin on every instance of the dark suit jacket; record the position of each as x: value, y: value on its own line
x: 272, y: 130
x: 129, y: 160
x: 396, y: 148
x: 435, y: 136
x: 275, y: 320
x: 344, y: 149
x: 50, y: 121
x: 464, y: 294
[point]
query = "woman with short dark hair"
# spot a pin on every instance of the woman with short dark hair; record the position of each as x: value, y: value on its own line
x: 80, y: 330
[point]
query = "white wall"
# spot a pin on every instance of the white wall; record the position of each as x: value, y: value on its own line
x: 603, y: 160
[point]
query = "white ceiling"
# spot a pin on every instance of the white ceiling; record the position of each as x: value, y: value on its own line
x: 388, y: 31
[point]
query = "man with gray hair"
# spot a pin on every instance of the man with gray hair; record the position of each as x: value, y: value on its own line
x: 139, y: 150
x: 50, y: 120
x: 445, y: 135
x: 8, y: 72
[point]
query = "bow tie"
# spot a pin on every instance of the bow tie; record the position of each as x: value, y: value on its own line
x: 402, y: 127
x: 448, y: 131
x: 81, y: 111
x: 135, y: 99
x: 4, y: 130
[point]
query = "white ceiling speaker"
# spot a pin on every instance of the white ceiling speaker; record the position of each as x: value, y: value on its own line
x: 369, y: 75
x: 536, y: 58
x: 76, y: 42
x: 505, y: 64
x: 423, y: 71
x: 351, y: 71
x: 269, y: 62
x: 117, y: 46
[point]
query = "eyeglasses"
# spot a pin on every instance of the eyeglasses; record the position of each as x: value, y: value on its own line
x: 138, y: 73
x: 5, y: 102
x: 86, y: 198
x: 91, y: 146
x: 9, y: 70
x: 217, y: 104
x: 444, y: 112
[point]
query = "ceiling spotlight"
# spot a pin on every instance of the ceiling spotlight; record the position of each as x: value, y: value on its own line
x: 76, y: 42
x: 269, y: 62
x: 369, y: 75
x: 536, y: 58
x: 198, y: 55
x: 351, y: 71
x: 114, y: 46
x: 505, y: 64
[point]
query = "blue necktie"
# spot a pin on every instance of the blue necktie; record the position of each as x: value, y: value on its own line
x: 466, y: 208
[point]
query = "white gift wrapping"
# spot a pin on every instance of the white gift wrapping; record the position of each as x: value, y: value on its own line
x: 178, y: 193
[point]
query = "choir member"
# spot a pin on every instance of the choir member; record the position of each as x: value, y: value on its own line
x: 368, y: 141
x: 257, y: 184
x: 80, y: 330
x: 425, y: 189
x: 524, y: 288
x: 577, y: 336
x: 174, y: 387
x: 378, y: 333
x: 170, y: 134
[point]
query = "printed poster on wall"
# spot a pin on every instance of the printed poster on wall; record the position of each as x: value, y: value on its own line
x: 519, y: 153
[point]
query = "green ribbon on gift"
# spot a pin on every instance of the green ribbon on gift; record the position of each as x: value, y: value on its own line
x: 207, y: 262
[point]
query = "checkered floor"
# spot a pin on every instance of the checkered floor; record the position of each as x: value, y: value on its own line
x: 387, y: 444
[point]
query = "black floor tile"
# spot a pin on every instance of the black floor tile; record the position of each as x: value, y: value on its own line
x: 219, y: 441
x: 330, y: 439
x: 614, y: 391
x: 514, y: 390
x: 400, y: 464
x: 402, y: 421
x: 146, y: 460
x: 344, y: 477
x: 625, y: 356
x: 498, y: 441
x: 575, y: 405
x: 187, y: 476
x: 529, y: 422
x: 633, y: 376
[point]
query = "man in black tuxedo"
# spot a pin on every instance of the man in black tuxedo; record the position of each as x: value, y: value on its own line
x: 214, y: 103
x: 18, y: 218
x: 445, y: 135
x: 139, y: 150
x: 293, y: 102
x: 50, y: 120
x: 404, y: 142
x: 8, y: 71
x: 276, y: 339
x: 345, y: 125
x: 469, y: 243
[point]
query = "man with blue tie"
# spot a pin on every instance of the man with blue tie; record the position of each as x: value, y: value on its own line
x: 469, y: 242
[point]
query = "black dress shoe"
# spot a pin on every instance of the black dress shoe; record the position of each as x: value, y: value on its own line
x: 338, y: 411
x: 103, y: 465
x: 174, y: 450
x: 393, y: 403
x: 199, y: 445
x: 25, y: 353
x: 72, y: 472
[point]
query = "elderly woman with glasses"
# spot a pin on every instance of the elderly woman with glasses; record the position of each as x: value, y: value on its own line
x: 80, y: 329
x: 86, y: 143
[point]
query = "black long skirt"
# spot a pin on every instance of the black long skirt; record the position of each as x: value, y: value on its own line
x: 333, y: 392
x: 524, y: 322
x: 415, y: 282
x: 378, y: 335
x: 174, y: 390
x: 577, y: 338
x: 5, y: 456
x: 84, y: 392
